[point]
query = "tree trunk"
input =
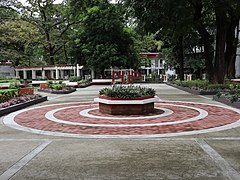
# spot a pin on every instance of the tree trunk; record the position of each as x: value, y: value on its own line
x: 65, y: 53
x: 50, y: 49
x: 208, y: 54
x: 231, y: 47
x: 180, y: 58
x: 206, y: 39
x: 222, y: 26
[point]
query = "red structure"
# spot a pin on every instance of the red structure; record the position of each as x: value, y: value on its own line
x: 126, y: 75
x: 149, y: 55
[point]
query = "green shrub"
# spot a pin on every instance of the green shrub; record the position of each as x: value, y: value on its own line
x: 83, y: 82
x: 7, y: 94
x: 202, y: 84
x: 14, y: 85
x: 75, y: 79
x: 8, y: 80
x: 217, y: 86
x: 126, y: 92
x: 50, y: 82
x: 56, y: 86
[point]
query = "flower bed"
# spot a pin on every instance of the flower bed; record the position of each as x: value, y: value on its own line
x: 229, y: 96
x: 56, y: 88
x: 136, y: 98
x: 21, y: 102
x: 126, y: 92
x: 66, y: 90
x: 199, y: 87
x: 192, y: 90
x: 227, y: 101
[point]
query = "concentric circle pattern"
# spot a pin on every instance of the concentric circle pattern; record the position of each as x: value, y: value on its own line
x: 84, y: 120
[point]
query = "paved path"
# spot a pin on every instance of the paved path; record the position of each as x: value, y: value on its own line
x: 62, y: 139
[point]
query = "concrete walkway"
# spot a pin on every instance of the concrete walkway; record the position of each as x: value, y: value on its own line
x: 214, y: 155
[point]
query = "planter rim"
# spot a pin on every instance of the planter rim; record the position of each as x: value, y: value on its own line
x: 122, y: 101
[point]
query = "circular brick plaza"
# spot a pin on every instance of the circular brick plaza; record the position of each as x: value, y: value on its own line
x: 170, y: 118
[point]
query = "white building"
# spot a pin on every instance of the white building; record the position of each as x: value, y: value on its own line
x: 48, y: 72
x: 156, y: 64
x: 7, y: 70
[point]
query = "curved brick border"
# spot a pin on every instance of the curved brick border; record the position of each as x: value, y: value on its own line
x: 219, y: 118
x: 101, y: 120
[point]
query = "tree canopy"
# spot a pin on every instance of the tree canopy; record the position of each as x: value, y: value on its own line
x: 100, y: 35
x: 103, y: 39
x: 214, y: 21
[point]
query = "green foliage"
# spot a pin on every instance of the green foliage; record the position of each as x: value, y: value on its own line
x: 9, y: 81
x: 43, y: 25
x: 56, y: 86
x: 193, y: 83
x: 103, y: 40
x: 202, y: 84
x: 17, y: 41
x: 75, y: 79
x: 14, y: 85
x: 7, y: 94
x: 49, y: 82
x: 126, y: 92
x: 232, y: 93
x: 153, y: 79
x: 83, y: 81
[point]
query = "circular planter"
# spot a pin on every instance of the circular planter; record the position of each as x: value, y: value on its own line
x: 54, y: 91
x: 135, y: 106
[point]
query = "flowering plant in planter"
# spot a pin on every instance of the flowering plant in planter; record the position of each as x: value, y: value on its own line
x: 56, y: 88
x: 126, y: 100
x: 18, y: 100
x: 127, y: 92
x: 7, y: 94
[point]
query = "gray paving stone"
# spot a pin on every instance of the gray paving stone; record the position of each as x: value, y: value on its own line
x: 104, y: 159
x: 13, y: 151
x: 158, y: 158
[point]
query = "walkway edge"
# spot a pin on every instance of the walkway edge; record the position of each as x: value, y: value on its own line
x: 226, y: 168
x: 23, y: 161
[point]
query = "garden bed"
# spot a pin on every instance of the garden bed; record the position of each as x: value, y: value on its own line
x: 126, y: 100
x: 193, y: 91
x: 84, y: 85
x: 54, y: 91
x: 226, y: 101
x: 15, y: 107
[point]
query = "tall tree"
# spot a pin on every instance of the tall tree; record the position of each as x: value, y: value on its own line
x: 18, y: 37
x: 232, y: 37
x: 103, y: 40
x: 225, y: 16
x: 171, y: 24
x: 52, y: 23
x: 200, y: 24
x: 214, y: 20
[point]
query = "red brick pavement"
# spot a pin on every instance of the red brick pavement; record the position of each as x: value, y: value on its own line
x: 217, y: 116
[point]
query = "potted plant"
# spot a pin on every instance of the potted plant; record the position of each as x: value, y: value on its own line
x: 126, y: 100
